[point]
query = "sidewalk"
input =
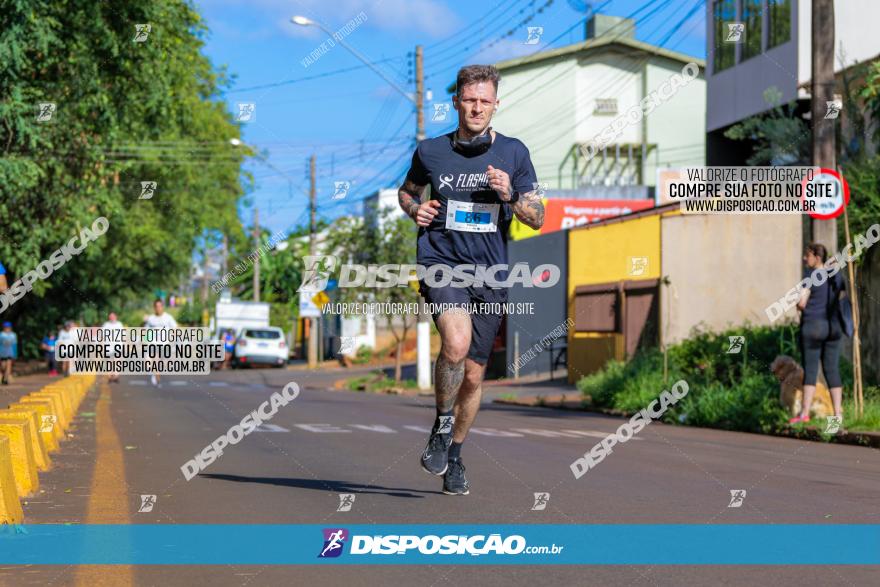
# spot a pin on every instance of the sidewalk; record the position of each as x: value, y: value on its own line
x: 22, y: 385
x: 528, y: 390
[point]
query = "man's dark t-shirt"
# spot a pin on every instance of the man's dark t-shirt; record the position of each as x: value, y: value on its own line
x: 472, y: 234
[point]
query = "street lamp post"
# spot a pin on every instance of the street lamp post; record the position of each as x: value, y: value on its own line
x: 423, y: 329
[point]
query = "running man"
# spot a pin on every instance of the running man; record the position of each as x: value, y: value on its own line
x: 112, y: 323
x: 160, y: 320
x: 480, y: 179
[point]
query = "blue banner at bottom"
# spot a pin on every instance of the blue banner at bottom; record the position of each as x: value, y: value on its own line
x: 437, y: 544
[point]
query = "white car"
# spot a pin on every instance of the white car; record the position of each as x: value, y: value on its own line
x: 260, y: 346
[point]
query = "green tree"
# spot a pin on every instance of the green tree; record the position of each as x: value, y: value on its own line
x: 355, y: 240
x: 126, y: 112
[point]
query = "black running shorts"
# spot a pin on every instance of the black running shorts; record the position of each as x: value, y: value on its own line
x: 485, y: 319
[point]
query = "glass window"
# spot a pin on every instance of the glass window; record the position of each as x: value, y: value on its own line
x: 751, y: 17
x: 779, y: 12
x: 724, y: 12
x: 264, y: 334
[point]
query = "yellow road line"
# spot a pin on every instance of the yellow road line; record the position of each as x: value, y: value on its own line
x: 108, y: 498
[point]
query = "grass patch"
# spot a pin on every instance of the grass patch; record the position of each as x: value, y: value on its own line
x: 377, y: 381
x: 731, y: 391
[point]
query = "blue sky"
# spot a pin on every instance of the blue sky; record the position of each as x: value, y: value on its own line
x: 361, y: 129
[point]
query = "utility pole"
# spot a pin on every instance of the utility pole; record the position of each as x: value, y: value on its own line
x: 257, y: 248
x: 420, y: 95
x: 423, y: 328
x: 312, y: 322
x: 822, y: 90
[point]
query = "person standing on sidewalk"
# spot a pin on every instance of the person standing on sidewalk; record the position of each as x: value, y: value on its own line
x: 8, y: 351
x: 480, y: 179
x: 821, y: 333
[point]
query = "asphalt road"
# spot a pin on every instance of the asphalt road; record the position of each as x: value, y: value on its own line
x: 131, y: 439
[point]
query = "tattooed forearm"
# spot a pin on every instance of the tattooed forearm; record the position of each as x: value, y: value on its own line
x: 447, y: 379
x: 530, y: 210
x: 409, y: 197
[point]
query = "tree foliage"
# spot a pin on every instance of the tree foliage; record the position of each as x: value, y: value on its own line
x: 126, y: 112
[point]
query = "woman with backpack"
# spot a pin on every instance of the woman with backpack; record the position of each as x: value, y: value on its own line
x: 823, y: 325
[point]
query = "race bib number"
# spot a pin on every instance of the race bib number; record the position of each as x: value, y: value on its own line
x: 471, y: 216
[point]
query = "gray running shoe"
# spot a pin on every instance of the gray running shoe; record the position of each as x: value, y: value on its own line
x: 454, y: 481
x: 436, y: 456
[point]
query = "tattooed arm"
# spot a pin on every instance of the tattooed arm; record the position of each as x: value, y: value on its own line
x: 529, y: 209
x: 409, y: 196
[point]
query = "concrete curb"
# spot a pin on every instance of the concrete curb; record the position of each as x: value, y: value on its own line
x: 30, y: 429
x: 10, y: 507
x: 870, y: 439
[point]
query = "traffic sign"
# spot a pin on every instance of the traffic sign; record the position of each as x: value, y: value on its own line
x: 321, y: 299
x: 307, y: 308
x: 829, y: 200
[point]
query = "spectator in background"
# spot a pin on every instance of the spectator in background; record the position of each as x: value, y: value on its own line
x: 66, y: 334
x: 3, y: 284
x: 8, y: 351
x: 229, y: 347
x: 48, y: 346
x: 114, y: 324
x: 821, y: 333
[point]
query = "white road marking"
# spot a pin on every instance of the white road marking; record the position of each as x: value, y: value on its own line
x: 597, y: 434
x: 270, y: 428
x: 320, y: 428
x: 494, y: 432
x: 375, y: 428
